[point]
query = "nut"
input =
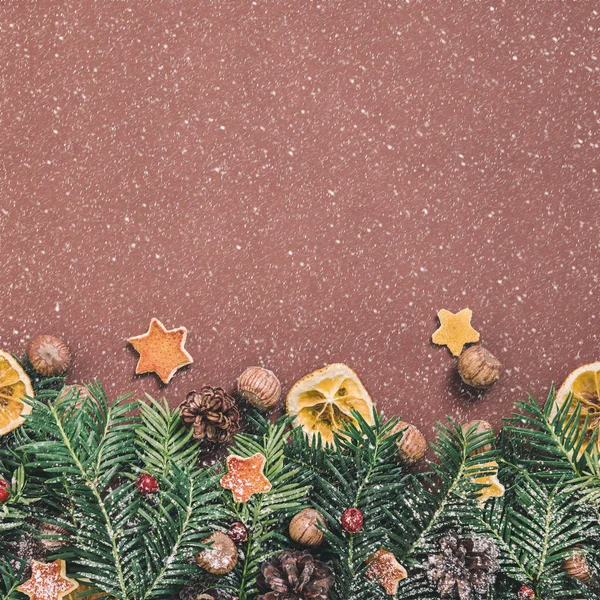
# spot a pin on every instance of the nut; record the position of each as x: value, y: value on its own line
x: 49, y: 355
x: 60, y: 536
x: 578, y: 567
x: 481, y: 427
x: 412, y: 445
x: 221, y: 557
x: 260, y: 387
x: 79, y: 392
x: 303, y: 528
x: 479, y: 368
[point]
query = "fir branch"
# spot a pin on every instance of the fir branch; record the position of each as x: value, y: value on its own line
x: 82, y: 449
x: 550, y: 438
x: 361, y: 472
x: 264, y: 515
x: 587, y: 486
x: 545, y: 527
x: 187, y: 508
x: 10, y: 578
x: 452, y: 494
x: 163, y: 440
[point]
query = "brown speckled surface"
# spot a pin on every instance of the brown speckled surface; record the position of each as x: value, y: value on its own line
x: 299, y: 183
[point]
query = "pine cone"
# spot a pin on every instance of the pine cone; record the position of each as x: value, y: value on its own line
x: 466, y: 568
x: 294, y: 576
x: 212, y: 413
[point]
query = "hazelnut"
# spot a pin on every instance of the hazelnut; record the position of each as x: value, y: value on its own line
x: 479, y: 368
x: 79, y: 393
x: 59, y: 539
x: 304, y: 530
x: 49, y: 355
x: 260, y: 387
x: 222, y: 555
x: 412, y: 445
x: 481, y: 427
x: 577, y: 566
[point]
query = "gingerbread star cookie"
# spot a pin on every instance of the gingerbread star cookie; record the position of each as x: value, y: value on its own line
x: 384, y: 568
x: 48, y: 581
x: 246, y: 477
x: 455, y: 330
x: 161, y: 350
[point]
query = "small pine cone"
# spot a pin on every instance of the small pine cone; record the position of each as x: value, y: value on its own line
x: 466, y: 568
x: 212, y: 413
x: 294, y: 576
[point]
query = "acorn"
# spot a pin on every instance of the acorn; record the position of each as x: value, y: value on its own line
x: 303, y: 528
x: 412, y: 445
x: 481, y: 427
x: 578, y: 567
x: 260, y: 387
x: 48, y: 355
x: 479, y: 368
x: 221, y: 557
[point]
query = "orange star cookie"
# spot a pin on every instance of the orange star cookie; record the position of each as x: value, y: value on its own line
x: 455, y: 330
x: 384, y: 568
x: 493, y: 489
x: 161, y: 351
x: 48, y: 581
x: 246, y: 477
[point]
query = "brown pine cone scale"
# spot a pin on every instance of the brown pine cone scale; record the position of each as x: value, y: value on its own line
x: 212, y: 413
x: 294, y: 576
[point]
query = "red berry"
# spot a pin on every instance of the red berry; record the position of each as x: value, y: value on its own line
x: 4, y: 490
x: 146, y: 484
x: 352, y: 520
x: 238, y: 532
x: 526, y: 593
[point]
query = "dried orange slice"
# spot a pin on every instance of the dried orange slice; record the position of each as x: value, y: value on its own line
x: 14, y: 385
x: 584, y: 384
x: 323, y: 401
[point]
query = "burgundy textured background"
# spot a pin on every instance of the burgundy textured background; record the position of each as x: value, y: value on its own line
x: 300, y: 183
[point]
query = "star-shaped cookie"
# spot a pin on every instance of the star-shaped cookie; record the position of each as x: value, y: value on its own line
x: 161, y: 351
x: 493, y: 489
x: 48, y: 581
x: 384, y: 568
x: 246, y: 477
x: 455, y: 330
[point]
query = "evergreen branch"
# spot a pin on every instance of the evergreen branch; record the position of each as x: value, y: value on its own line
x: 361, y: 472
x: 552, y: 437
x: 264, y: 514
x: 190, y: 514
x: 460, y: 461
x: 84, y: 447
x: 163, y: 440
x: 587, y: 487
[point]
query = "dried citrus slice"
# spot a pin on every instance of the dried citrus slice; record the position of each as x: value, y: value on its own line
x: 14, y: 385
x: 584, y: 384
x: 323, y: 401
